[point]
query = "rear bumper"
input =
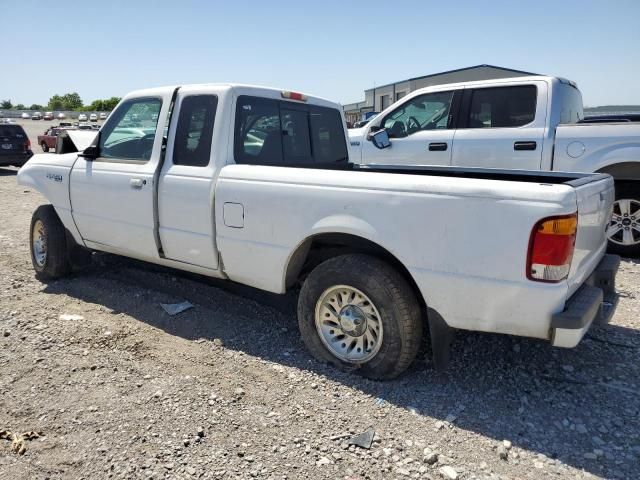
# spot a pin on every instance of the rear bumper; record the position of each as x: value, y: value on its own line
x: 15, y: 158
x: 594, y: 301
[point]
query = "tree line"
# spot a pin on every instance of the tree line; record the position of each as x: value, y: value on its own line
x: 67, y: 102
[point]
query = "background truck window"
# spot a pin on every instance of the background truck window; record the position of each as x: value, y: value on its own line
x: 194, y: 133
x: 424, y: 112
x: 130, y: 131
x: 272, y: 132
x: 572, y: 111
x: 503, y: 107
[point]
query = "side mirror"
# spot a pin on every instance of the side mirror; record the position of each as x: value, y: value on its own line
x: 380, y: 139
x: 91, y: 152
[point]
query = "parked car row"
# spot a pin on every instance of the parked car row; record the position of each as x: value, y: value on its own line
x: 83, y: 117
x: 93, y: 117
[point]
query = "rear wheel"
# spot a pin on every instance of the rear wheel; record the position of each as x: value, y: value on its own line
x: 624, y: 228
x: 45, y: 147
x: 358, y: 313
x: 48, y: 244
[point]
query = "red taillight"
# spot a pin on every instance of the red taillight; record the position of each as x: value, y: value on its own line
x: 27, y: 145
x: 551, y: 248
x: 294, y: 96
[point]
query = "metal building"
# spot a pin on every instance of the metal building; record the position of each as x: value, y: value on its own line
x: 378, y: 98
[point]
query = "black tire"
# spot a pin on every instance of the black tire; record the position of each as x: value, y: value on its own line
x: 392, y: 296
x: 56, y: 261
x: 627, y: 191
x: 45, y: 147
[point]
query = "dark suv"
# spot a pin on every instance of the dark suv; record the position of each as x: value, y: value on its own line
x: 15, y: 147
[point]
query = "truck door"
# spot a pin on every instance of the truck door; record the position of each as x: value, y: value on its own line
x: 112, y: 196
x: 502, y: 127
x: 420, y: 130
x: 185, y: 193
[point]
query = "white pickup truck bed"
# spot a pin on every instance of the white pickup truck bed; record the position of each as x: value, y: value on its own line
x: 426, y: 220
x: 594, y: 146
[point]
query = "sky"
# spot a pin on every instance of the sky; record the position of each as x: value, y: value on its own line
x: 331, y: 48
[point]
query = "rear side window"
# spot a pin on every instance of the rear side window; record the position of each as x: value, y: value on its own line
x: 12, y: 131
x: 273, y: 132
x: 192, y: 145
x: 503, y: 107
x: 572, y: 110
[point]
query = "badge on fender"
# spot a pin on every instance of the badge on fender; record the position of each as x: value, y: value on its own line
x: 55, y: 177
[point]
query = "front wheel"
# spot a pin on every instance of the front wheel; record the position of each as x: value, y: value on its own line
x: 358, y: 313
x: 624, y: 229
x: 45, y: 147
x: 48, y: 244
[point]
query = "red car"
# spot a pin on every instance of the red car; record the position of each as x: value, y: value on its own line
x: 49, y: 138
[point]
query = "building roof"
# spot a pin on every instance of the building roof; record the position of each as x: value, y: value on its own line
x: 484, y: 65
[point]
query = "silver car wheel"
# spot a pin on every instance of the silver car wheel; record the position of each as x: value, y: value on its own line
x: 624, y: 228
x: 348, y: 324
x: 39, y: 243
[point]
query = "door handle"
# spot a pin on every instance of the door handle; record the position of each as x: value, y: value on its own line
x: 137, y: 182
x: 438, y: 146
x: 525, y: 145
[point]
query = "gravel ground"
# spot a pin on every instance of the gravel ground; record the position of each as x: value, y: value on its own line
x: 226, y: 390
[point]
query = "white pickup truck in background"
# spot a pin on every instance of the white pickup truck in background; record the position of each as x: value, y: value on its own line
x: 254, y: 185
x: 530, y: 123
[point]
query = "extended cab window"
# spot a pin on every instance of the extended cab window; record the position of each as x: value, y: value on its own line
x: 194, y: 132
x: 130, y: 131
x: 425, y: 112
x: 502, y: 107
x: 273, y: 132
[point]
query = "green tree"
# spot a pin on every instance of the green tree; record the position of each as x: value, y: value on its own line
x: 111, y: 103
x: 71, y: 101
x: 104, y: 105
x: 6, y: 104
x: 55, y: 103
x: 35, y: 106
x: 96, y: 105
x: 19, y: 106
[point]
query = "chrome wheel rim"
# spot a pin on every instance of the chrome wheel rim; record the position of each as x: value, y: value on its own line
x: 39, y: 243
x: 348, y: 324
x: 624, y: 228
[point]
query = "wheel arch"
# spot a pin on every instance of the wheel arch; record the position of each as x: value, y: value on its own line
x: 622, y: 171
x: 322, y: 246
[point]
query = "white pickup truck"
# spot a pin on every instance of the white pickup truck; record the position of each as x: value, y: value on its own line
x: 530, y: 123
x: 254, y: 185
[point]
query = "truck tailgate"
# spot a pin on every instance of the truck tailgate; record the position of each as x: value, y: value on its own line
x: 594, y: 197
